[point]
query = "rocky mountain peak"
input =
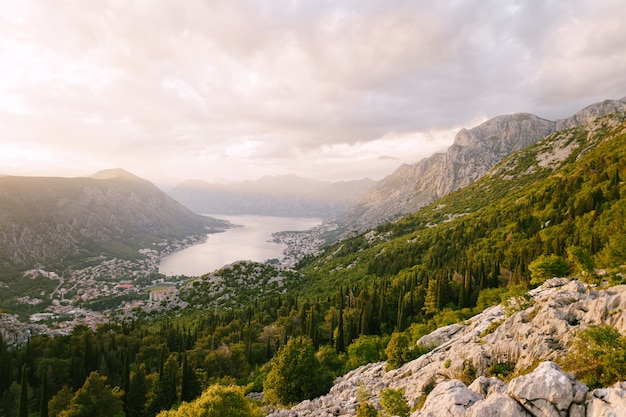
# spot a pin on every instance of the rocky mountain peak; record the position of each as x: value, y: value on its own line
x: 530, y: 332
x: 592, y: 112
x: 473, y: 154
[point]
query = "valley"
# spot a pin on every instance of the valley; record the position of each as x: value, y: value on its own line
x: 483, y: 299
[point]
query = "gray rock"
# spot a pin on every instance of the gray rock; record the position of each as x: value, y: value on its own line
x: 547, y: 391
x: 543, y: 329
x: 608, y: 402
x: 484, y: 386
x: 449, y: 399
x: 497, y: 405
x: 441, y: 335
x: 473, y: 154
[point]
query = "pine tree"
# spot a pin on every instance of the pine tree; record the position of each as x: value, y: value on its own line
x: 60, y: 401
x: 296, y: 374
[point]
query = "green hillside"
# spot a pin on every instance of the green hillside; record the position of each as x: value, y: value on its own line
x: 564, y: 192
x: 557, y: 207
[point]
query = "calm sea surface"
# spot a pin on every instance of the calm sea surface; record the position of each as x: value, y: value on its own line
x: 249, y: 242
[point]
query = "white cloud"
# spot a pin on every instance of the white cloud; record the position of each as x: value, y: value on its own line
x: 243, y: 88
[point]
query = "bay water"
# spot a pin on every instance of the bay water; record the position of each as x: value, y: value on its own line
x: 251, y: 242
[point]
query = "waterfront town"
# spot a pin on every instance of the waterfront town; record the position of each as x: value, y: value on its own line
x: 117, y: 288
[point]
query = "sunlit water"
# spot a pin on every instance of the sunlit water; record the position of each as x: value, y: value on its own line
x: 250, y: 242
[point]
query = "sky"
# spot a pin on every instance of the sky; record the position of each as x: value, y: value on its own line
x: 227, y: 90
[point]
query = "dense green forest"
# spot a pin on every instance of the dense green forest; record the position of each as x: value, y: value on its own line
x: 364, y: 299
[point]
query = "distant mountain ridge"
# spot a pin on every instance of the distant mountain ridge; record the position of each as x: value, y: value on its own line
x: 114, y: 212
x: 473, y: 153
x: 285, y: 195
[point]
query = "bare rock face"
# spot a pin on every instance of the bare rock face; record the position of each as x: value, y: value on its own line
x: 497, y: 405
x: 449, y: 399
x: 529, y: 333
x: 548, y: 391
x: 15, y: 333
x: 473, y: 154
x: 608, y: 401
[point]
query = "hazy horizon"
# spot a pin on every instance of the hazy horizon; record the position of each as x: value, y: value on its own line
x: 225, y: 91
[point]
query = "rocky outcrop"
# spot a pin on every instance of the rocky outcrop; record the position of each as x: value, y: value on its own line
x: 15, y: 333
x: 608, y: 401
x: 450, y: 398
x: 547, y: 391
x: 473, y: 154
x: 529, y: 334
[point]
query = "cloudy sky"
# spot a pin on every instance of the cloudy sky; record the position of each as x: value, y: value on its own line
x: 236, y: 89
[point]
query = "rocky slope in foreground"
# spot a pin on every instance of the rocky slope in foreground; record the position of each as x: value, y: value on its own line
x: 531, y: 333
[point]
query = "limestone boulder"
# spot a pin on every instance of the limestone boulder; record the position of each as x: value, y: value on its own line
x: 547, y: 391
x: 497, y: 405
x: 538, y: 327
x: 448, y: 399
x: 608, y: 402
x: 487, y: 386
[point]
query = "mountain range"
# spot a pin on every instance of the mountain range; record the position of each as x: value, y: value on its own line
x: 285, y: 195
x: 473, y: 153
x: 420, y: 294
x: 113, y: 212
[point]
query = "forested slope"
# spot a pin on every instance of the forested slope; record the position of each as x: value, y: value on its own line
x: 565, y: 191
x: 365, y: 299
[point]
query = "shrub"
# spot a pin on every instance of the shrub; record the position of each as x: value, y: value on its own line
x: 217, y: 400
x: 467, y: 374
x: 364, y: 408
x: 397, y: 350
x: 491, y: 328
x: 393, y: 403
x: 546, y: 267
x: 364, y: 350
x: 598, y: 356
x: 501, y: 369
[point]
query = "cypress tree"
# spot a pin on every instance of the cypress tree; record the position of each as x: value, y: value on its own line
x: 5, y: 366
x: 430, y: 301
x: 399, y: 313
x: 137, y: 393
x: 125, y: 380
x: 22, y: 410
x: 168, y: 380
x: 190, y: 386
x: 43, y: 403
x: 340, y: 342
